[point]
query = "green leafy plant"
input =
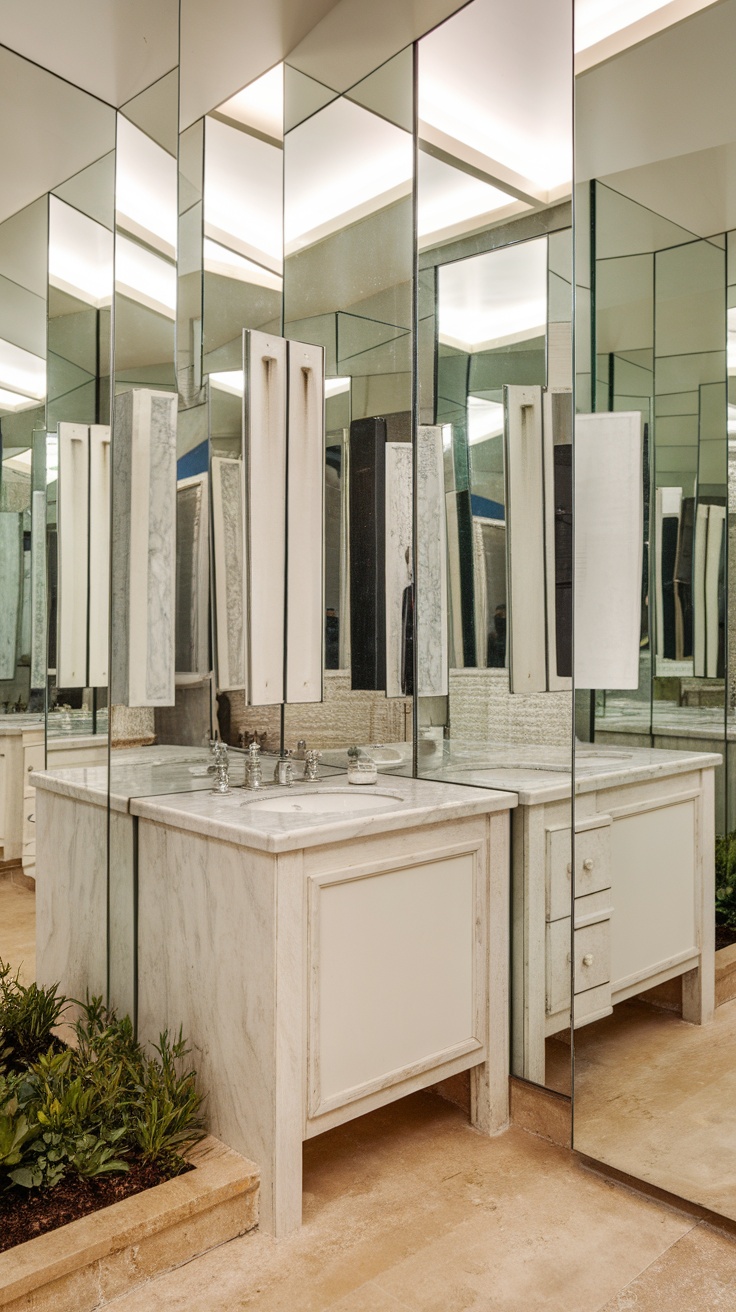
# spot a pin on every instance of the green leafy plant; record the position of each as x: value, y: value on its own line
x: 28, y: 1015
x: 93, y: 1108
x: 726, y: 880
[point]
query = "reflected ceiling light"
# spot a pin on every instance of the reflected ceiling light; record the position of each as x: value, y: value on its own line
x: 547, y: 163
x: 446, y: 437
x: 260, y: 105
x: 348, y: 164
x: 495, y: 299
x: 22, y: 463
x: 485, y: 420
x: 16, y: 401
x: 144, y: 277
x: 449, y: 199
x: 220, y: 259
x: 597, y: 19
x: 243, y: 190
x: 145, y: 187
x: 22, y: 375
x: 335, y: 386
x: 731, y: 422
x: 229, y: 380
x: 80, y: 254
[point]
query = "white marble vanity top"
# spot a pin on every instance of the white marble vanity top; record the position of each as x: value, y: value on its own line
x: 11, y: 724
x: 233, y: 819
x: 542, y: 774
x: 144, y: 772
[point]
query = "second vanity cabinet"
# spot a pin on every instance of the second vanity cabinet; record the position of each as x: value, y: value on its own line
x: 323, y: 965
x: 644, y: 891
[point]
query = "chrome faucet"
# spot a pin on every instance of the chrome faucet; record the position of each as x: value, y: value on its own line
x: 301, y: 748
x: 284, y: 772
x: 311, y: 764
x: 253, y: 769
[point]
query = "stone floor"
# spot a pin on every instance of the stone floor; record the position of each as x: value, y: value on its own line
x: 18, y: 928
x: 656, y: 1098
x: 409, y: 1208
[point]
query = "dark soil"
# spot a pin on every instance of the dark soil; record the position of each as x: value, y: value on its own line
x: 25, y: 1213
x: 725, y: 936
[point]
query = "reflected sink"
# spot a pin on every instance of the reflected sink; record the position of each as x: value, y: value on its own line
x: 346, y: 801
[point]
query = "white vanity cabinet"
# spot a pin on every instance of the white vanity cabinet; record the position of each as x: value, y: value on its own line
x: 326, y: 966
x: 21, y: 752
x: 644, y: 896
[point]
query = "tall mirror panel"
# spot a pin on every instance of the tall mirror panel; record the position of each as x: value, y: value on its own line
x: 653, y: 919
x: 56, y: 224
x: 493, y: 468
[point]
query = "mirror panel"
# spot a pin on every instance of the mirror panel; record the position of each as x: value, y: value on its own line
x: 652, y: 847
x: 494, y: 459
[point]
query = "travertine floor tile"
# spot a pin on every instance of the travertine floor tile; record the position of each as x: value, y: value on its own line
x: 656, y: 1098
x: 18, y: 928
x: 698, y: 1274
x: 411, y: 1208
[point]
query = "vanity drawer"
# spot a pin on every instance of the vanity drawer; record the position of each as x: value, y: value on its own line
x: 592, y: 864
x: 558, y: 966
x: 592, y: 1005
x: 592, y: 953
x: 593, y: 858
x: 592, y: 956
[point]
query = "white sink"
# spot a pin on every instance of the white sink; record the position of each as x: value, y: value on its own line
x: 344, y: 801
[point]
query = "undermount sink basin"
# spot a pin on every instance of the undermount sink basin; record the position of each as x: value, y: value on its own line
x: 347, y: 801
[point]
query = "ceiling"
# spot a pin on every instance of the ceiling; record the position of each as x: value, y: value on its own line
x: 109, y: 49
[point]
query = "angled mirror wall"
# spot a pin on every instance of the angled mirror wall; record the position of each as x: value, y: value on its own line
x: 653, y: 1040
x: 493, y: 461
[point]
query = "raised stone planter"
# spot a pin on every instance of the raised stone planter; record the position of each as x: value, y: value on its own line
x: 725, y: 974
x: 86, y: 1264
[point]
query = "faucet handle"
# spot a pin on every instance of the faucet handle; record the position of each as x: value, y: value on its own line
x: 311, y: 762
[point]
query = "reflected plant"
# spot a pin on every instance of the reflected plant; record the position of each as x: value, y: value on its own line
x: 726, y: 880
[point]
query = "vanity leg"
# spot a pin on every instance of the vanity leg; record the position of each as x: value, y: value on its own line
x: 698, y: 986
x: 489, y: 1083
x: 281, y: 1179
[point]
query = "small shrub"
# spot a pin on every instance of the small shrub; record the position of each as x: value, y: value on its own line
x: 93, y: 1108
x: 726, y: 880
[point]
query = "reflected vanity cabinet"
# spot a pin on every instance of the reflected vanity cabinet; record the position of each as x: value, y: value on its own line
x: 642, y: 911
x: 21, y: 752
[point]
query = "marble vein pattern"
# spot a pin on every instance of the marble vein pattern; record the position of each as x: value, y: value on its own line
x: 224, y: 909
x: 227, y: 513
x: 398, y: 557
x: 10, y: 583
x: 38, y: 590
x: 192, y: 575
x: 431, y: 556
x: 99, y: 554
x: 144, y: 548
x: 541, y: 773
x: 73, y: 555
x: 234, y: 819
x: 71, y: 912
x: 161, y: 589
x: 24, y: 629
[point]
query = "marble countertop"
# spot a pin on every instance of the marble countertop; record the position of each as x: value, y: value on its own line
x: 12, y: 724
x: 146, y: 772
x: 542, y: 774
x: 233, y: 819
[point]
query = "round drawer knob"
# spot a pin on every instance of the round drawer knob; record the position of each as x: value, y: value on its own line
x: 587, y: 863
x: 588, y: 959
